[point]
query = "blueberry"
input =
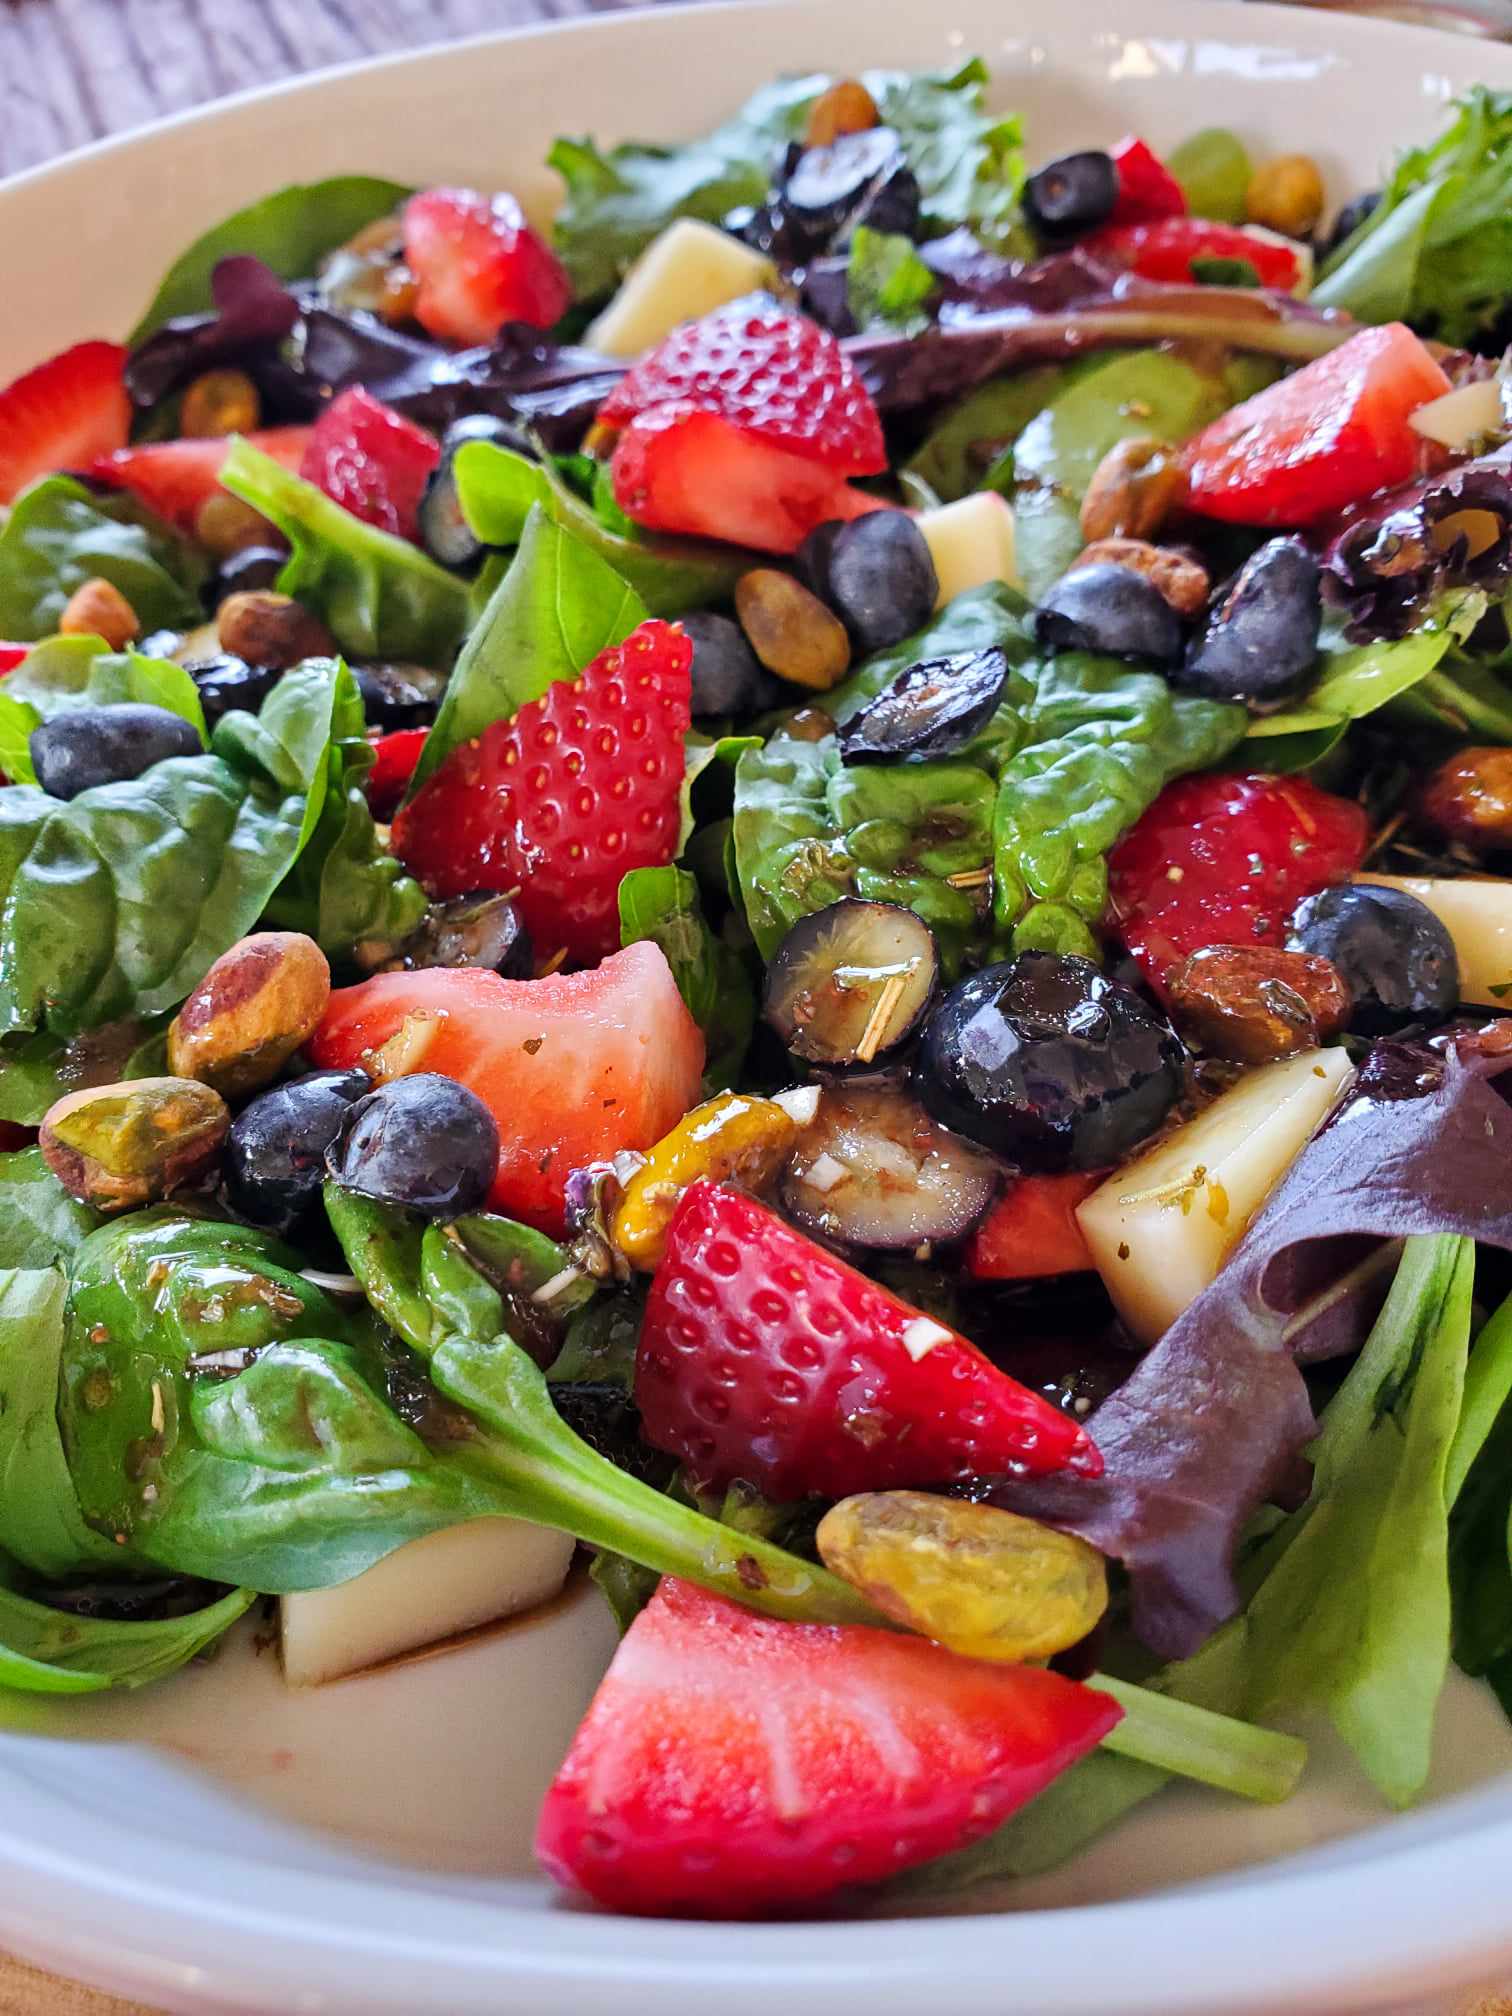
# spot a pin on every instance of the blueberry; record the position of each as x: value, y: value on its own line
x: 929, y: 710
x: 250, y: 569
x: 1071, y: 195
x: 728, y: 677
x: 1050, y: 1064
x: 424, y: 1142
x: 224, y: 682
x: 861, y: 178
x: 882, y: 580
x: 481, y: 930
x: 399, y: 695
x: 1349, y: 220
x: 1110, y: 609
x: 444, y: 532
x: 1396, y: 957
x: 811, y: 563
x: 1261, y: 639
x: 276, y: 1150
x: 87, y: 746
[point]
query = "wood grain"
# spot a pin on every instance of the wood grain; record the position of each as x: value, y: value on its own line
x: 73, y: 70
x: 25, y: 1992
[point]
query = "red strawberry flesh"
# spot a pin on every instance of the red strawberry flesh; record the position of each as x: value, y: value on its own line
x: 479, y: 265
x: 371, y: 461
x: 177, y: 478
x: 62, y: 415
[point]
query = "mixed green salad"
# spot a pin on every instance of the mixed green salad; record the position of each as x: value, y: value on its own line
x: 804, y: 883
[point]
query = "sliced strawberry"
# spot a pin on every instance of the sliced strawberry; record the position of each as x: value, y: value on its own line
x: 394, y: 760
x: 1225, y: 860
x: 371, y: 461
x: 566, y: 797
x: 1031, y: 1232
x: 176, y: 478
x: 733, y: 1765
x: 764, y: 1357
x: 677, y: 469
x: 573, y: 1068
x: 11, y: 656
x: 62, y: 415
x: 1147, y: 190
x: 766, y: 370
x: 479, y: 265
x: 1165, y: 249
x: 1335, y: 431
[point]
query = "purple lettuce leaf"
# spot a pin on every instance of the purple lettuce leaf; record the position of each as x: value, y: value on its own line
x: 1214, y: 1421
x: 1387, y: 558
x: 254, y: 310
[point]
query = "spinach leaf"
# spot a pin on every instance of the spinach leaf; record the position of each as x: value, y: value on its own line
x: 1460, y: 696
x: 967, y: 163
x: 379, y: 596
x: 970, y: 445
x: 1101, y: 740
x: 1141, y: 392
x: 661, y: 904
x: 499, y: 488
x: 115, y: 903
x: 66, y: 672
x: 291, y: 231
x: 58, y: 535
x: 887, y: 284
x: 36, y: 1070
x: 48, y: 1651
x: 1356, y: 680
x: 41, y: 1525
x: 40, y: 1224
x: 1437, y: 250
x: 558, y: 606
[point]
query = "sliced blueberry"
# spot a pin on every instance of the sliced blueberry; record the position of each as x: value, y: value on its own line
x: 251, y: 569
x: 861, y: 178
x: 882, y: 580
x: 399, y: 695
x: 87, y: 746
x: 424, y: 1142
x: 224, y: 683
x: 932, y: 709
x: 1050, y: 1064
x: 849, y: 984
x: 1261, y: 639
x: 1071, y: 195
x: 728, y: 677
x: 481, y: 930
x: 1109, y: 609
x: 276, y: 1150
x: 1395, y: 955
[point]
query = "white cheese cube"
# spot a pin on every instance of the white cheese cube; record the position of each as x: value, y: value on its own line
x: 1161, y: 1227
x: 449, y: 1582
x: 971, y: 542
x: 682, y: 274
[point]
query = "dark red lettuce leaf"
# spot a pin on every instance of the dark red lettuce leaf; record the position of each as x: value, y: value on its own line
x: 1387, y: 558
x: 1213, y: 1422
x: 254, y: 311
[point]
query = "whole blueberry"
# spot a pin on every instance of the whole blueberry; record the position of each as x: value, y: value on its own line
x: 811, y: 563
x: 444, y: 532
x: 396, y: 695
x: 1260, y: 642
x: 882, y: 580
x: 728, y: 677
x: 250, y: 568
x: 276, y: 1150
x: 1071, y: 195
x: 424, y: 1142
x: 1109, y: 609
x: 1349, y: 220
x: 1049, y: 1063
x: 1395, y: 955
x: 224, y: 683
x: 87, y: 746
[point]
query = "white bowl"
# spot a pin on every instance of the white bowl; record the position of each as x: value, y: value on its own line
x: 364, y: 1850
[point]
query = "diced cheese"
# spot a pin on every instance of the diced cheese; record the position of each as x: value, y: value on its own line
x: 449, y: 1582
x: 682, y: 274
x: 1464, y: 416
x: 1476, y: 911
x: 1161, y: 1227
x: 971, y: 542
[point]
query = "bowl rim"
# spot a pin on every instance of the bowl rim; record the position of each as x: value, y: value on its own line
x: 1439, y: 1913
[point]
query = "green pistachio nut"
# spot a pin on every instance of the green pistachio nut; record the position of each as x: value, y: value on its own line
x: 117, y: 1147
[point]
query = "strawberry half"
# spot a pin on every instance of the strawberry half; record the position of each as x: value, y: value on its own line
x: 62, y: 415
x: 565, y: 797
x: 177, y: 478
x: 768, y: 371
x: 11, y: 656
x: 371, y: 461
x: 479, y: 265
x: 765, y: 1358
x: 731, y: 1765
x: 679, y: 469
x: 1224, y: 861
